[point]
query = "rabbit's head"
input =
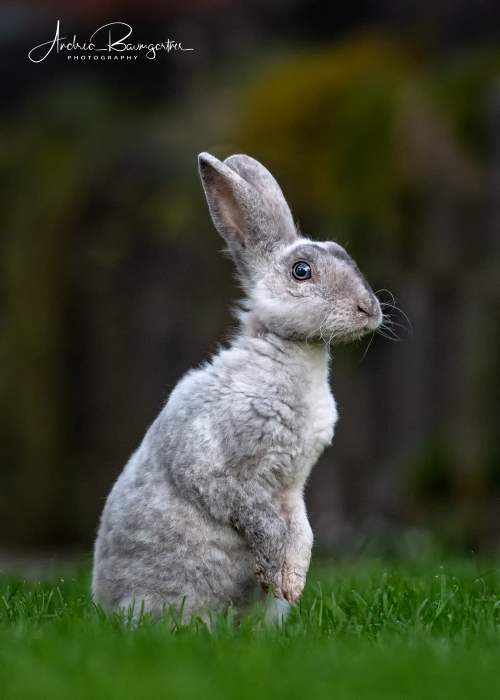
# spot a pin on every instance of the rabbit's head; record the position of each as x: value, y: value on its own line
x: 296, y: 288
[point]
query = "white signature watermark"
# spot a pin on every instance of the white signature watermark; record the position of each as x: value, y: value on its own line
x: 100, y: 43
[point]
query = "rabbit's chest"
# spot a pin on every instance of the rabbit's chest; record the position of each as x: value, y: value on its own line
x: 316, y: 430
x: 299, y: 437
x: 321, y: 416
x: 283, y: 417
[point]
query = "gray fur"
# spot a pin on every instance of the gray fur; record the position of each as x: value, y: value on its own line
x: 211, y: 504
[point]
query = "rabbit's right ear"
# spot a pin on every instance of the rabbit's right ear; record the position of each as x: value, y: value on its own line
x: 242, y: 212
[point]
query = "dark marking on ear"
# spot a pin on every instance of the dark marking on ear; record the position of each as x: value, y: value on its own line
x: 303, y: 249
x: 314, y: 245
x: 338, y: 252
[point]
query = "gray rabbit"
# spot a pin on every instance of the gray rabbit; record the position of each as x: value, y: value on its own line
x: 210, y: 507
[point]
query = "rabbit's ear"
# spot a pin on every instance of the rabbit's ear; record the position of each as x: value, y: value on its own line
x: 247, y: 207
x: 261, y: 180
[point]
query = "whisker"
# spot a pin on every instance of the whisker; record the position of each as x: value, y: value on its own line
x: 319, y: 330
x: 391, y: 334
x: 321, y: 326
x: 368, y: 346
x: 384, y: 330
x: 386, y: 336
x: 389, y: 329
x: 388, y: 292
x: 393, y: 306
x: 400, y: 325
x: 403, y: 313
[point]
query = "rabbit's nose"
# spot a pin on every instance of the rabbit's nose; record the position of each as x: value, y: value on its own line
x: 363, y: 308
x: 370, y: 308
x: 367, y: 306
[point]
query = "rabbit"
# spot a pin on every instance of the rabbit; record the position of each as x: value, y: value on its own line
x: 209, y: 511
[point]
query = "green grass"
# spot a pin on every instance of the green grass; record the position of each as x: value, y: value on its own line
x: 371, y: 630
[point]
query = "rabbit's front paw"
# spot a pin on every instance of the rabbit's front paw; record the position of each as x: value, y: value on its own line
x: 270, y: 581
x: 293, y: 583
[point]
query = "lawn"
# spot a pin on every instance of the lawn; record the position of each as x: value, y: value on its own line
x: 371, y: 629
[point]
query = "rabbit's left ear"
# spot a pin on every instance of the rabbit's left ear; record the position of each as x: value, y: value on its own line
x: 247, y: 207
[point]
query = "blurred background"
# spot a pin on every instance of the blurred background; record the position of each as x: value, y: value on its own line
x: 381, y: 122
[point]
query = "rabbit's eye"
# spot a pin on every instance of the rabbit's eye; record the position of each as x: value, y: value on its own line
x: 301, y: 271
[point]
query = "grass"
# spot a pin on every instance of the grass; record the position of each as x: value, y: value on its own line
x: 371, y: 630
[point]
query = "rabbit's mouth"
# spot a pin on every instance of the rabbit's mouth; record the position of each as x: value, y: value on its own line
x: 336, y: 333
x: 358, y: 328
x: 348, y: 336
